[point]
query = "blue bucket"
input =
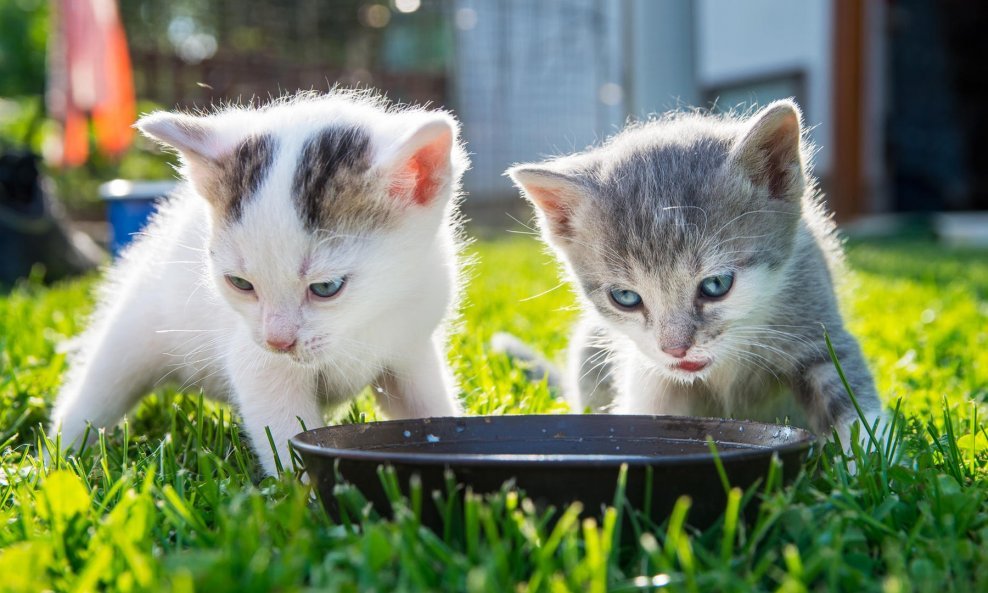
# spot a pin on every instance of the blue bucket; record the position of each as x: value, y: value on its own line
x: 129, y: 204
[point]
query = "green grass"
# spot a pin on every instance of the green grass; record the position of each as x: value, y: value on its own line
x: 172, y: 500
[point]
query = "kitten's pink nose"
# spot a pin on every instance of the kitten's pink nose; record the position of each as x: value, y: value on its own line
x: 281, y: 344
x: 676, y: 351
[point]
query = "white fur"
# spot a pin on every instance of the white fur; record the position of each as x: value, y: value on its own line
x: 166, y: 313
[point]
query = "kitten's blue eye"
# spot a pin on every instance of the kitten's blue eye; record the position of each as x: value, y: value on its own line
x: 627, y: 299
x: 239, y: 283
x: 324, y: 290
x: 715, y: 287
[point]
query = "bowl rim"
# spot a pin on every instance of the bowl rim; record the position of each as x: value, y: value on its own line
x: 803, y: 440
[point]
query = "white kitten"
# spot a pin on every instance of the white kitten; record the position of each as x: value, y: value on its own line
x: 312, y: 252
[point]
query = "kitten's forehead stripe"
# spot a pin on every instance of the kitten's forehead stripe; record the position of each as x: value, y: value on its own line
x: 242, y: 173
x: 329, y: 174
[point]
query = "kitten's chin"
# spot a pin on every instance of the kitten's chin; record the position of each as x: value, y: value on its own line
x: 684, y: 377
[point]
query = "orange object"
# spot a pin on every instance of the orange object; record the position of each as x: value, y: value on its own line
x: 90, y: 75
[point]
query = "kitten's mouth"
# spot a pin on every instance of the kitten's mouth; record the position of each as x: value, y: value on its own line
x: 691, y: 366
x: 304, y: 360
x: 294, y: 356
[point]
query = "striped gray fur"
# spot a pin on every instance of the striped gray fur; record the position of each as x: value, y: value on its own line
x: 661, y: 202
x: 239, y: 175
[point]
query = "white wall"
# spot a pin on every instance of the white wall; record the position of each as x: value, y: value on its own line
x: 736, y: 40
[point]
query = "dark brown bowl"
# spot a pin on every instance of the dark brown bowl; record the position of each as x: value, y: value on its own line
x: 555, y: 459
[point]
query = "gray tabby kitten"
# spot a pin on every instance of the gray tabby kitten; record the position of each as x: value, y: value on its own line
x: 704, y: 259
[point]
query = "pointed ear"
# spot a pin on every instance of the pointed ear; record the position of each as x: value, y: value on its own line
x: 224, y: 169
x: 420, y: 166
x: 556, y: 195
x: 189, y: 135
x: 769, y: 151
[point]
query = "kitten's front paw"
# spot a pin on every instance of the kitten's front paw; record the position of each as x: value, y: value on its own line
x: 853, y: 437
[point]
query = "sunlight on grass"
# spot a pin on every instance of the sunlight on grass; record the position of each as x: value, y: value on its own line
x: 922, y: 317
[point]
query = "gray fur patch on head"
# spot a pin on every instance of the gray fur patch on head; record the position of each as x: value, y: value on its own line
x: 239, y: 175
x: 701, y: 207
x: 331, y: 186
x: 666, y: 197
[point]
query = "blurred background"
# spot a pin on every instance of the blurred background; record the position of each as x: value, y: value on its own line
x: 894, y: 90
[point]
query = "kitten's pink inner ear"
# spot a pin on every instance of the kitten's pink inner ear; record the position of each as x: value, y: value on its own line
x: 422, y: 175
x: 770, y: 151
x: 551, y: 202
x: 781, y: 144
x: 552, y: 193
